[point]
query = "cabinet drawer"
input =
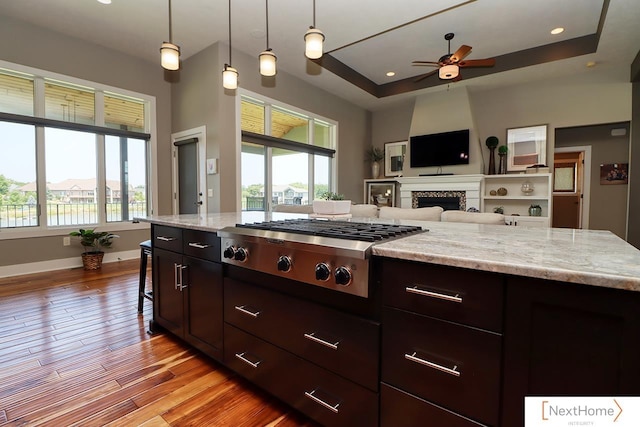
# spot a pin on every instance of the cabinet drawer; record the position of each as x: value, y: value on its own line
x: 469, y: 297
x: 451, y: 365
x: 169, y: 238
x: 345, y: 344
x: 201, y: 244
x: 327, y: 398
x: 400, y: 409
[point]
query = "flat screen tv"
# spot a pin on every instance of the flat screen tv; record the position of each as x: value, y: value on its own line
x: 439, y: 149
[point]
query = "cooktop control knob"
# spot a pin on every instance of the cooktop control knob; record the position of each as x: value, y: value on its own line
x: 241, y: 255
x: 322, y: 272
x: 343, y: 276
x: 229, y: 252
x: 284, y: 263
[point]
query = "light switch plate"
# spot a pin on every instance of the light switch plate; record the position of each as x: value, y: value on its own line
x: 209, y: 192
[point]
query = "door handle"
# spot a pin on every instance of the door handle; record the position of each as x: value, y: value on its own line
x: 198, y: 203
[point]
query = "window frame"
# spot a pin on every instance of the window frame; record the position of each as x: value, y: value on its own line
x: 100, y: 130
x: 270, y: 141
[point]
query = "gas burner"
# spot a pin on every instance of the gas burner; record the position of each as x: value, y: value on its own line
x: 365, y: 232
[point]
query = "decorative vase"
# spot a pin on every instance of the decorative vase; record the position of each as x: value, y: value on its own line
x: 492, y: 161
x: 331, y: 207
x: 375, y: 170
x: 535, y: 211
x: 503, y: 164
x: 527, y: 188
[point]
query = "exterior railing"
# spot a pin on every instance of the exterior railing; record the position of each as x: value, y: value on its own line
x: 17, y: 216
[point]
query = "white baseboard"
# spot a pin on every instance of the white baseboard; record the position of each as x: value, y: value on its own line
x: 62, y: 264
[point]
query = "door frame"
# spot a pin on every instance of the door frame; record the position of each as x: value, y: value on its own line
x: 586, y: 180
x: 199, y: 132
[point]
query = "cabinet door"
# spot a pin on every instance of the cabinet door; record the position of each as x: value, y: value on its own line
x: 204, y: 305
x: 167, y: 300
x: 568, y: 339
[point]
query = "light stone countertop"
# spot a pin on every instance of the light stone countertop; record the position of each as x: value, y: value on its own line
x: 597, y: 258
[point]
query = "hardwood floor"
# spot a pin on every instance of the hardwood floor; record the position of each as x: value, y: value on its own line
x: 74, y: 351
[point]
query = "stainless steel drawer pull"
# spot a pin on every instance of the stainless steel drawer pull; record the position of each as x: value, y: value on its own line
x: 176, y: 276
x: 244, y: 309
x: 332, y: 408
x: 451, y: 371
x: 242, y: 357
x: 453, y: 298
x: 313, y: 338
x: 199, y: 245
x: 166, y: 239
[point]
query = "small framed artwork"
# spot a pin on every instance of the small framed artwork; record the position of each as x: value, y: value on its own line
x: 614, y: 174
x: 527, y: 146
x: 394, y: 155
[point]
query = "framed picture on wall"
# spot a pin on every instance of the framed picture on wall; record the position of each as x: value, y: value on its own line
x: 394, y: 155
x: 614, y: 174
x: 527, y: 146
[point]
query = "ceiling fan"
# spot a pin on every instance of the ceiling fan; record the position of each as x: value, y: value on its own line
x: 449, y: 65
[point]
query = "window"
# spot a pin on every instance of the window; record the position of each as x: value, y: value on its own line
x: 95, y: 155
x: 282, y: 161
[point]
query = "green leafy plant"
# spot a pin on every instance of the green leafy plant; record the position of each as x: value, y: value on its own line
x: 92, y: 241
x: 502, y: 149
x: 328, y: 195
x: 499, y: 210
x: 374, y: 154
x: 535, y: 206
x: 492, y: 141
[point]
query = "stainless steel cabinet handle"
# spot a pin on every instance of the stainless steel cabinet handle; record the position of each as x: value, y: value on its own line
x: 313, y: 338
x: 451, y: 371
x: 176, y: 282
x: 244, y: 309
x: 332, y: 408
x: 415, y: 290
x: 166, y: 239
x: 181, y: 269
x: 242, y: 357
x: 199, y: 245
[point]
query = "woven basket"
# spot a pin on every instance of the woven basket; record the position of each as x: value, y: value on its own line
x: 92, y: 261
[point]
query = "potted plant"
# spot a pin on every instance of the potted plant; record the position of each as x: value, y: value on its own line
x: 492, y: 142
x: 375, y: 155
x: 502, y: 152
x: 331, y: 204
x: 93, y: 242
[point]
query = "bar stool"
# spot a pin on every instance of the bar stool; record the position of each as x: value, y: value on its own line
x: 145, y: 251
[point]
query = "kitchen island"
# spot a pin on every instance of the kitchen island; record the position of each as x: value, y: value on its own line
x: 472, y: 319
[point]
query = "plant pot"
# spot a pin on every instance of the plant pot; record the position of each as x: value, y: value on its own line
x: 92, y: 260
x: 375, y: 170
x: 535, y: 211
x: 331, y: 207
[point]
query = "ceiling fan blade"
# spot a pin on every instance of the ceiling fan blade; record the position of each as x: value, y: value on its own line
x: 424, y: 76
x: 431, y: 63
x: 460, y: 54
x: 489, y: 62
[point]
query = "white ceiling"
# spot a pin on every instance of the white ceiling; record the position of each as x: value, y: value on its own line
x: 491, y: 27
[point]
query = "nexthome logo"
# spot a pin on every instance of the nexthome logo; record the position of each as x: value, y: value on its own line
x: 618, y: 411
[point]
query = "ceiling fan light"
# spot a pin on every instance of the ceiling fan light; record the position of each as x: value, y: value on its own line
x: 170, y: 56
x: 449, y: 72
x: 229, y: 77
x: 268, y: 63
x: 313, y: 39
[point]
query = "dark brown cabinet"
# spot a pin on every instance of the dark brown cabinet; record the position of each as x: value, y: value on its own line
x: 568, y: 339
x: 187, y: 282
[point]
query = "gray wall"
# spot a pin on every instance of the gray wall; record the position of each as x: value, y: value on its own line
x: 199, y: 99
x: 608, y: 203
x: 24, y: 44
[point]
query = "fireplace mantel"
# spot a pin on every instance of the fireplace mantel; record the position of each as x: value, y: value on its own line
x: 470, y: 184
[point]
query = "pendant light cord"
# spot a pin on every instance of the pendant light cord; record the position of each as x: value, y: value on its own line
x: 229, y: 32
x: 267, y: 9
x: 314, y: 13
x: 170, y: 26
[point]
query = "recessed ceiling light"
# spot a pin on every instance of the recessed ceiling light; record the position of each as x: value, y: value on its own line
x: 391, y: 73
x: 104, y: 1
x: 591, y: 64
x: 557, y: 30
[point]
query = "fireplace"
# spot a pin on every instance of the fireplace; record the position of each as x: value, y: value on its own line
x: 447, y: 200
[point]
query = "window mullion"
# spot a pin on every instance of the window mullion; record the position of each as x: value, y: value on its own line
x: 41, y: 175
x: 100, y: 193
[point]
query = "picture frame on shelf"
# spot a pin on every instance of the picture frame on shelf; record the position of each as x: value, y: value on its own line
x: 394, y: 157
x: 527, y: 146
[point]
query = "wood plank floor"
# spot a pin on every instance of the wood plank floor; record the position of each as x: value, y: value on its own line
x: 75, y: 352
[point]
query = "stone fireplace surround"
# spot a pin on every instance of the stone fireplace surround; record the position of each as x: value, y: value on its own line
x: 469, y: 186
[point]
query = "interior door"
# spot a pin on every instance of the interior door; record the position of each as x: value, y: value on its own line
x: 568, y: 190
x: 189, y: 196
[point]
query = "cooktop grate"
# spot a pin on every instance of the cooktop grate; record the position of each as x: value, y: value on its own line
x: 365, y: 232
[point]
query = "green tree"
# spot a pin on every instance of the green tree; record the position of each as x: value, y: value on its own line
x: 320, y: 189
x: 4, y: 185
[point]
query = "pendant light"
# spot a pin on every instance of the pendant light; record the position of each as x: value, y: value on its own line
x: 229, y: 74
x: 268, y: 58
x: 169, y: 52
x: 313, y: 39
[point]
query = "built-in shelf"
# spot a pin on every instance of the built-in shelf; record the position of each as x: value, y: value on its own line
x: 515, y: 204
